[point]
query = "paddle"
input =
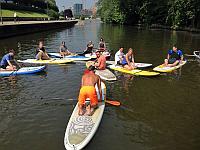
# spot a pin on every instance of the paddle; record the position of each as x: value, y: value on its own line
x: 115, y: 103
x: 111, y: 102
x: 189, y: 55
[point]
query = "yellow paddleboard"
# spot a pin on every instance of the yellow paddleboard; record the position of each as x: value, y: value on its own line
x: 162, y: 68
x: 51, y: 61
x: 136, y: 72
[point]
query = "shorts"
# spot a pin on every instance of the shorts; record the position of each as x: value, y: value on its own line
x: 124, y: 64
x: 88, y: 92
x: 3, y: 66
x: 118, y: 63
x: 172, y: 60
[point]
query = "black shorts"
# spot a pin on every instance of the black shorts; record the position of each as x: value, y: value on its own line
x: 118, y: 63
x: 3, y: 66
x: 172, y: 60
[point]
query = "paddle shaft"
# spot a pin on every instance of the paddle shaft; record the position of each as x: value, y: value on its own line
x: 111, y: 102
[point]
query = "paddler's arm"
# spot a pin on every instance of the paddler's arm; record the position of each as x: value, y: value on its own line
x: 127, y: 60
x: 97, y: 63
x: 133, y: 61
x: 181, y: 59
x: 10, y: 64
x: 168, y: 56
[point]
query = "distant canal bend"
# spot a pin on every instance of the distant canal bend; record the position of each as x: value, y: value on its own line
x: 156, y: 113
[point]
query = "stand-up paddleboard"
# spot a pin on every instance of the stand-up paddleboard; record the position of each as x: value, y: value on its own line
x: 51, y: 61
x: 93, y: 55
x: 23, y: 71
x: 106, y: 75
x: 103, y: 74
x: 162, y: 68
x: 81, y: 129
x: 197, y: 54
x: 72, y: 57
x: 136, y: 72
x: 138, y: 65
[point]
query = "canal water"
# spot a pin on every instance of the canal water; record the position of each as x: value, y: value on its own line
x: 158, y: 113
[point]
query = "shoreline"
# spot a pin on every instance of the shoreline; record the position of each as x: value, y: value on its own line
x: 9, y: 29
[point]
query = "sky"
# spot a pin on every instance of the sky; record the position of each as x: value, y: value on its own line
x: 69, y: 3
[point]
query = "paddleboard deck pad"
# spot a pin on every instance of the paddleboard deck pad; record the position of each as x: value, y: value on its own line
x: 23, y: 71
x: 81, y: 129
x: 162, y: 68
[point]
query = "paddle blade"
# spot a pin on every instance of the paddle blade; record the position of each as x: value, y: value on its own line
x: 115, y: 103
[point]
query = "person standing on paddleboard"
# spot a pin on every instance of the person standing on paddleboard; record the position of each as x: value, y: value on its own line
x: 5, y: 62
x: 174, y: 57
x: 89, y: 80
x: 100, y: 62
x: 119, y: 56
x: 128, y: 60
x: 41, y: 53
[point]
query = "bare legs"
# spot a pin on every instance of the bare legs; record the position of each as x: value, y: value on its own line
x: 130, y: 67
x: 166, y: 63
x: 89, y: 110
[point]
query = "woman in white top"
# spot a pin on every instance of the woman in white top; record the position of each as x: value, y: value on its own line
x: 119, y: 56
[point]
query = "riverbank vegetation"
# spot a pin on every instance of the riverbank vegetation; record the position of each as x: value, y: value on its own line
x: 173, y: 13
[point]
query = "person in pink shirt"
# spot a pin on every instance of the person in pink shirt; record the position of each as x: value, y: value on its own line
x: 100, y: 62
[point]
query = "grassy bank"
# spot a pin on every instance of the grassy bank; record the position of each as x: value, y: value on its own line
x: 20, y: 13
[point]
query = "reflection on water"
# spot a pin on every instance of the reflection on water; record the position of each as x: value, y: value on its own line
x: 156, y: 113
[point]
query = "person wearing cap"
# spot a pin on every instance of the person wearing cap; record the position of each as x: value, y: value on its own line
x: 89, y: 80
x: 119, y: 56
x: 89, y: 48
x: 102, y: 45
x: 174, y: 57
x: 63, y: 50
x: 100, y: 62
x: 128, y: 61
x: 41, y: 53
x: 5, y: 61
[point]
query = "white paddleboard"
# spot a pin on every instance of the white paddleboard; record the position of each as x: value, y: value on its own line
x: 106, y: 75
x: 162, y: 68
x: 197, y: 54
x: 138, y: 65
x: 81, y: 129
x: 72, y: 57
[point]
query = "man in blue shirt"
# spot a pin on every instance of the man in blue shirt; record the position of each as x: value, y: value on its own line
x: 5, y: 61
x: 174, y: 57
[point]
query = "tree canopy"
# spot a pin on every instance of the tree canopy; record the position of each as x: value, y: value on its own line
x: 174, y: 13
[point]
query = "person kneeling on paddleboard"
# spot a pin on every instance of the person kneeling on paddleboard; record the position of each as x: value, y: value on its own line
x: 5, y: 62
x: 128, y: 60
x: 89, y: 80
x: 119, y: 56
x: 174, y: 57
x: 100, y: 62
x: 41, y: 52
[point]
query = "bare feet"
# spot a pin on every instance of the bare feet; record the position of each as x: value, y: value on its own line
x: 80, y: 112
